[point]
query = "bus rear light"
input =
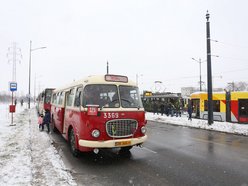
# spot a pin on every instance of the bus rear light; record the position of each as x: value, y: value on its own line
x: 95, y: 133
x: 143, y: 130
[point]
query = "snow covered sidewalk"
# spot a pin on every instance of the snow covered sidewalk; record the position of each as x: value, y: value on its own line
x: 235, y: 128
x: 26, y: 154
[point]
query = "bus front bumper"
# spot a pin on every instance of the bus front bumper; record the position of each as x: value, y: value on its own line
x: 112, y: 143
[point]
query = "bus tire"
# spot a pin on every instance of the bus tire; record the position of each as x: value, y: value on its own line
x: 54, y: 129
x: 72, y: 143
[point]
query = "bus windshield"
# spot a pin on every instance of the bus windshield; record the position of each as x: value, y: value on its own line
x: 130, y: 97
x: 107, y: 96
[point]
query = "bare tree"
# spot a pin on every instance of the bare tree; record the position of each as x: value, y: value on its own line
x: 237, y: 86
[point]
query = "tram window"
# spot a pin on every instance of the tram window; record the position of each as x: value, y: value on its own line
x: 243, y: 107
x: 216, y: 105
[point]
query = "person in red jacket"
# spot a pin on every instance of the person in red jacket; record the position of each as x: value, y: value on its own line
x: 40, y: 121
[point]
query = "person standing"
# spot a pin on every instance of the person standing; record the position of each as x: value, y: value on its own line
x: 162, y: 109
x: 190, y: 112
x: 40, y: 121
x: 155, y: 107
x: 46, y: 120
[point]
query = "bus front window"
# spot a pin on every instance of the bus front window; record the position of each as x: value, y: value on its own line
x: 130, y: 97
x: 102, y: 95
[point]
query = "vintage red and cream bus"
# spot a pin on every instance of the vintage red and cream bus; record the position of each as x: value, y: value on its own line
x: 227, y: 106
x: 44, y: 100
x: 99, y: 112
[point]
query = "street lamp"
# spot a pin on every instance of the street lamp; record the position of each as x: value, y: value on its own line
x: 35, y: 77
x: 30, y: 51
x: 200, y: 62
x: 137, y: 78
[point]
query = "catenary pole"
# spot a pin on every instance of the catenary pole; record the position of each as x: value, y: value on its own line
x: 209, y: 73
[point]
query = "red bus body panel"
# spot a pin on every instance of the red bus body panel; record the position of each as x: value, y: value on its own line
x: 83, y: 124
x: 58, y: 117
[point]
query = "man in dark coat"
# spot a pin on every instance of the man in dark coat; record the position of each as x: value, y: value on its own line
x: 46, y: 120
x: 190, y: 112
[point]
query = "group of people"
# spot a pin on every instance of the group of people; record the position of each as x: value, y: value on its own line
x: 166, y: 109
x: 15, y: 102
x: 170, y: 110
x: 44, y: 120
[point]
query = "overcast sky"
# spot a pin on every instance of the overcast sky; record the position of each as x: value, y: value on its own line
x: 154, y: 39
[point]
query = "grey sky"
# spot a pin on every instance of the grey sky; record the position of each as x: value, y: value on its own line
x: 155, y: 39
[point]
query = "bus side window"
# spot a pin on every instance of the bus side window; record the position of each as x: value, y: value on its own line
x: 57, y: 98
x: 69, y: 100
x: 62, y: 98
x: 78, y: 97
x: 54, y: 98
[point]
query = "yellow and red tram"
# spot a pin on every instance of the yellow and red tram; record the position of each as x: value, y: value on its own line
x: 227, y: 106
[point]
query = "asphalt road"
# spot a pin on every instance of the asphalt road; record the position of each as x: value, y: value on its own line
x: 172, y: 155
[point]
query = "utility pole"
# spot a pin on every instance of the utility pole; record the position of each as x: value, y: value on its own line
x: 13, y: 55
x: 209, y: 73
x: 107, y: 67
x: 200, y: 62
x: 200, y: 74
x: 29, y: 70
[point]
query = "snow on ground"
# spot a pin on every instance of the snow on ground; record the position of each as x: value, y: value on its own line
x: 234, y: 128
x: 26, y: 154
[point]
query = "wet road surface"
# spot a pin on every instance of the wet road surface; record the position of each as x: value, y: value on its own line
x: 172, y: 155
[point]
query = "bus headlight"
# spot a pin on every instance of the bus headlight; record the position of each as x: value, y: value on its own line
x: 95, y: 133
x: 143, y: 130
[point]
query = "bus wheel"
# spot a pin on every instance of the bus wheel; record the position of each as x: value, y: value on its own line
x: 72, y: 143
x: 54, y: 129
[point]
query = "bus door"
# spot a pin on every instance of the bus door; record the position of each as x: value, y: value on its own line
x: 243, y: 110
x: 196, y: 108
x: 68, y: 105
x: 65, y: 111
x: 60, y: 111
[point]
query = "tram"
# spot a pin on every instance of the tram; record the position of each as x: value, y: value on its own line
x: 227, y: 106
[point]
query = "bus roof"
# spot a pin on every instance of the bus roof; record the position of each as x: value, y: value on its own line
x: 99, y: 79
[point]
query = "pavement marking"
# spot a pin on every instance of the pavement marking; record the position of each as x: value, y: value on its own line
x: 149, y: 150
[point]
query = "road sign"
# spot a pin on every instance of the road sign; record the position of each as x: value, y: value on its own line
x: 13, y: 86
x: 11, y: 108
